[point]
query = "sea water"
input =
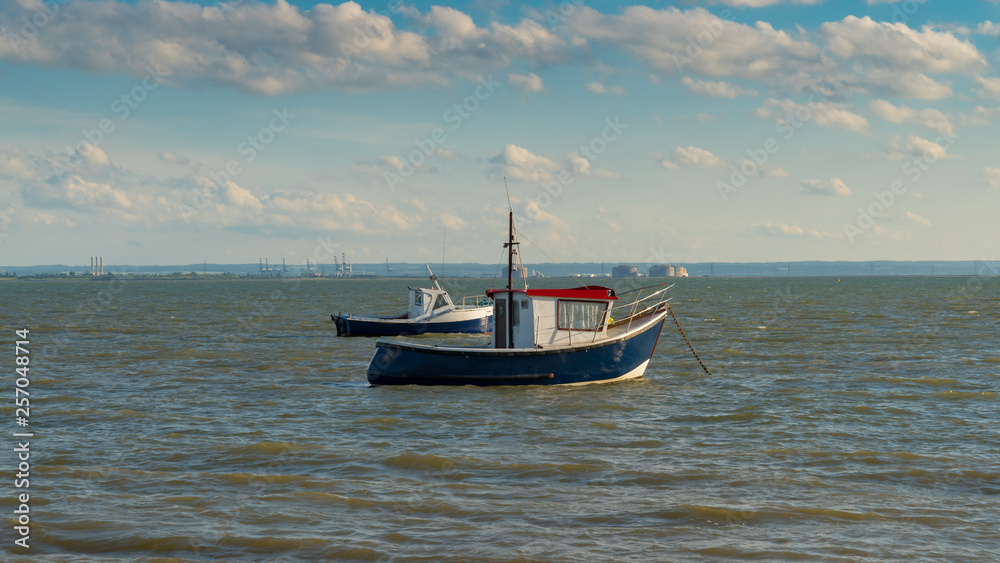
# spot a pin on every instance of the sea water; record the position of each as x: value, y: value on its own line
x: 851, y: 419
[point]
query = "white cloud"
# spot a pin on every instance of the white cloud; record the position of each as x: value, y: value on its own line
x: 928, y: 117
x: 454, y: 26
x: 894, y: 151
x: 784, y: 230
x: 987, y: 112
x: 171, y: 158
x: 692, y: 156
x: 988, y: 28
x: 23, y: 217
x: 973, y: 120
x: 528, y: 40
x: 521, y: 164
x: 929, y: 150
x: 908, y: 84
x: 97, y: 193
x: 273, y: 48
x: 239, y: 197
x: 854, y: 55
x: 312, y: 211
x: 992, y: 176
x: 779, y: 229
x: 989, y: 87
x: 17, y: 164
x: 93, y: 155
x: 661, y: 39
x: 600, y: 88
x: 716, y: 89
x: 453, y: 222
x: 919, y: 147
x: 529, y: 83
x: 761, y: 3
x: 582, y: 167
x: 763, y: 171
x: 393, y: 162
x: 536, y: 213
x: 917, y: 219
x: 822, y: 113
x: 77, y: 193
x: 896, y: 45
x: 833, y: 186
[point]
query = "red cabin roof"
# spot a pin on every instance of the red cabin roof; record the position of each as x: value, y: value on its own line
x: 582, y: 292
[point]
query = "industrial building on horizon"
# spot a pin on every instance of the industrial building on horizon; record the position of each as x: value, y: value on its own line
x: 657, y: 271
x: 667, y: 271
x: 524, y: 272
x: 624, y: 271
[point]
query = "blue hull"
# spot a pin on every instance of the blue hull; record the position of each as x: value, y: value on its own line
x: 357, y: 327
x: 396, y: 363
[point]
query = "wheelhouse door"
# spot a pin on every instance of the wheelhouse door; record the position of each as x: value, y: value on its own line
x: 499, y: 322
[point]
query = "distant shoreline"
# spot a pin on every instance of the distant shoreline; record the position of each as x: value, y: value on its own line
x: 585, y: 280
x: 576, y: 270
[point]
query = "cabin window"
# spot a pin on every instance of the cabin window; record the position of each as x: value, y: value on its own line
x: 580, y: 315
x: 440, y: 302
x: 418, y: 299
x: 515, y: 316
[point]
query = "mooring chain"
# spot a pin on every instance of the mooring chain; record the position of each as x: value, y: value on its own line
x: 676, y: 322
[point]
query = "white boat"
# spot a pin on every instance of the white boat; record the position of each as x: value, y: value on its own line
x: 429, y: 310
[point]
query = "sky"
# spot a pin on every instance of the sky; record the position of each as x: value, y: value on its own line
x: 177, y: 132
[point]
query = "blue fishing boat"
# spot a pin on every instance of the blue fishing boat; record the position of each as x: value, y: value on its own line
x: 570, y: 336
x: 429, y: 310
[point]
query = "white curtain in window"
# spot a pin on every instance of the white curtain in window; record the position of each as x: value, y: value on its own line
x: 580, y: 315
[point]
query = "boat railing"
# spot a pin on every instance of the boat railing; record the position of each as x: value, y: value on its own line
x: 476, y: 300
x: 633, y: 306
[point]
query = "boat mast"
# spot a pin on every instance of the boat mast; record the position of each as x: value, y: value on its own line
x: 510, y: 281
x: 510, y: 253
x: 509, y: 245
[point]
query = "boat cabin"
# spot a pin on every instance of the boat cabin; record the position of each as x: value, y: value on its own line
x: 426, y: 302
x: 542, y: 318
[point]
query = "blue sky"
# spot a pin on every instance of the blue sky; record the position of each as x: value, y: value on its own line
x: 160, y: 132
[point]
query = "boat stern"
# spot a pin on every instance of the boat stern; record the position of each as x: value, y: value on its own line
x: 343, y: 327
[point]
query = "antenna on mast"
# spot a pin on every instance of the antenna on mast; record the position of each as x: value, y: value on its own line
x: 509, y: 206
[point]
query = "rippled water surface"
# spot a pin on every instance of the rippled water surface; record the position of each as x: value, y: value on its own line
x: 850, y: 420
